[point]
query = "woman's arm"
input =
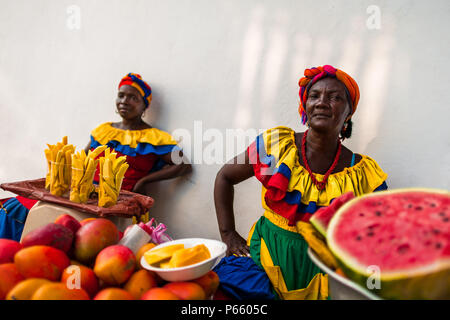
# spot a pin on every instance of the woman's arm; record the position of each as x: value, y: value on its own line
x: 234, y: 172
x: 169, y: 171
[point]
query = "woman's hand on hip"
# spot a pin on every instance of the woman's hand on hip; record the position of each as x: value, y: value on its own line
x: 236, y: 244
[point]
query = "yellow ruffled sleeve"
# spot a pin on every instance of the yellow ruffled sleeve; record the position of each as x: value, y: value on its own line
x: 287, y: 188
x: 106, y: 132
x: 133, y: 142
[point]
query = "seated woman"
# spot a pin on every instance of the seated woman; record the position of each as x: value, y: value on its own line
x: 150, y: 152
x: 300, y: 172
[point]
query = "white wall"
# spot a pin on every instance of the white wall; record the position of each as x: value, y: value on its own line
x: 230, y: 64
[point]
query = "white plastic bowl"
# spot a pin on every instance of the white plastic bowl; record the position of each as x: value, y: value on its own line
x: 216, y: 248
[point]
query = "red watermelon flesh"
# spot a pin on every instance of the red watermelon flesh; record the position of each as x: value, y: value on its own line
x: 321, y: 218
x: 405, y: 233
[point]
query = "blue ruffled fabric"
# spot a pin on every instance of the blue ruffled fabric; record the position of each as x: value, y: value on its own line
x: 13, y: 220
x: 141, y: 149
x: 242, y: 279
x: 382, y: 187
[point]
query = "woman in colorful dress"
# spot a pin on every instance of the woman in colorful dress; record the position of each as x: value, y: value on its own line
x: 150, y: 152
x: 300, y: 172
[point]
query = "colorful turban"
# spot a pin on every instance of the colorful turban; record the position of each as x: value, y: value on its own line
x: 315, y: 74
x: 135, y: 80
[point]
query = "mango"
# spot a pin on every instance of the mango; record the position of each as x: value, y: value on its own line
x: 115, y: 264
x: 93, y: 237
x: 9, y: 277
x: 77, y: 274
x: 209, y: 282
x: 165, y: 264
x: 186, y: 290
x: 8, y: 248
x: 141, y: 252
x: 87, y: 220
x: 53, y: 235
x: 59, y: 291
x: 25, y: 289
x: 159, y: 294
x: 188, y: 256
x: 157, y: 255
x: 69, y: 222
x: 41, y: 262
x: 140, y: 282
x: 113, y: 294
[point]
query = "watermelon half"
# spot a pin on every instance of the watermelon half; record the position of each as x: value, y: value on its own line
x: 322, y: 217
x: 395, y: 243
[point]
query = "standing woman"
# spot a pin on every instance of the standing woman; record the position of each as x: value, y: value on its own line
x: 300, y: 172
x: 150, y: 152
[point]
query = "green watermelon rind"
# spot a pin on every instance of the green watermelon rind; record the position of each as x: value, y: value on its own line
x: 319, y: 227
x: 419, y: 283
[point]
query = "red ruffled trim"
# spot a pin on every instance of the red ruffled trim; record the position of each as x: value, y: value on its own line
x: 4, y: 200
x: 276, y: 186
x: 27, y: 203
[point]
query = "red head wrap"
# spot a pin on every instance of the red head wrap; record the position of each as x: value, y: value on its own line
x: 315, y: 74
x: 135, y: 80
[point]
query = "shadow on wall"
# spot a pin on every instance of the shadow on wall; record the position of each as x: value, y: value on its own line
x: 153, y: 114
x: 162, y: 192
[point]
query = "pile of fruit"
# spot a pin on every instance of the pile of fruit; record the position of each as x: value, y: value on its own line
x: 396, y: 243
x: 82, y: 260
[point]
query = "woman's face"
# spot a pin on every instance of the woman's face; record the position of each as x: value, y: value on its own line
x: 129, y: 102
x: 327, y: 106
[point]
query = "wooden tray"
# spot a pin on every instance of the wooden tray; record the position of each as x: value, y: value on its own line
x: 128, y: 204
